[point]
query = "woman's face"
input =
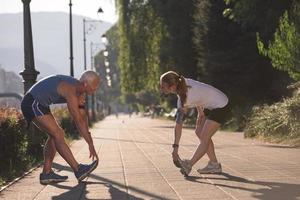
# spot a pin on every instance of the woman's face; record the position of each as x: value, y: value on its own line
x: 166, y: 89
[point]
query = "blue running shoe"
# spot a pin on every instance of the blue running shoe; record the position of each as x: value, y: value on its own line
x: 85, y: 170
x: 51, y: 177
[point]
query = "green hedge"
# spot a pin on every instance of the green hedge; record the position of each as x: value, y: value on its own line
x: 13, y: 144
x: 20, y: 148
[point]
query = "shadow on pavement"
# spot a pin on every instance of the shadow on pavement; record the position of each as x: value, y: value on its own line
x: 72, y: 193
x: 269, y: 190
x: 118, y: 194
x: 81, y: 192
x: 162, y: 126
x: 277, y: 146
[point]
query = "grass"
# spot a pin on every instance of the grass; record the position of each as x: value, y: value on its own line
x: 277, y: 123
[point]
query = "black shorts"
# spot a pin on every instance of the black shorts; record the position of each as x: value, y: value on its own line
x: 219, y: 115
x: 31, y: 108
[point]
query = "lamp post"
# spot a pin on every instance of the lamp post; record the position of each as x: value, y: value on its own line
x: 106, y: 62
x: 71, y: 42
x: 94, y: 47
x: 29, y: 74
x: 85, y: 32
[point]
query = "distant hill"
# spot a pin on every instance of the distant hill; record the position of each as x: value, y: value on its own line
x: 50, y: 41
x: 10, y: 82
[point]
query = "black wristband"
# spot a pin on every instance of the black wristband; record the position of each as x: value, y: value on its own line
x: 81, y: 106
x: 175, y: 145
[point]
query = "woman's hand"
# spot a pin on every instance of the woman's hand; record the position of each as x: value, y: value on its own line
x: 175, y: 155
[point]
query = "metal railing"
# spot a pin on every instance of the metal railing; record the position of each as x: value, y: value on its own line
x: 11, y: 94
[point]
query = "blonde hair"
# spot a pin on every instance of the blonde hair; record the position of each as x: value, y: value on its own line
x: 172, y: 78
x: 89, y: 77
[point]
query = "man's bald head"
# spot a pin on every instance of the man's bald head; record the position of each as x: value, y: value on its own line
x: 90, y: 77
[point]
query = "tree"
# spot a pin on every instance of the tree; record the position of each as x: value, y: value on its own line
x: 284, y: 49
x: 141, y: 32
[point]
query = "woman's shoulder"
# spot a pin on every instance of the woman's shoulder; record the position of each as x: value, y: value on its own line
x: 191, y: 82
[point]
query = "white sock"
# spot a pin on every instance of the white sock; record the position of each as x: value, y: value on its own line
x: 214, y: 163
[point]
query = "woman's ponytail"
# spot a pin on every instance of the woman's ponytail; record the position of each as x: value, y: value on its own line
x: 182, y: 89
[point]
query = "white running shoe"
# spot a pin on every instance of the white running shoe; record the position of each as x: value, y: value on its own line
x: 186, y: 167
x: 211, y: 168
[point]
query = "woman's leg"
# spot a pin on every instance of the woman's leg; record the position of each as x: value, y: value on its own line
x: 208, y: 130
x: 211, y: 149
x: 211, y: 152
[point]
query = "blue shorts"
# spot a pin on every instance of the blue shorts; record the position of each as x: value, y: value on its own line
x: 31, y: 108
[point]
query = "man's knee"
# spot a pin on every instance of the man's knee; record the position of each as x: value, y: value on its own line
x: 58, y: 134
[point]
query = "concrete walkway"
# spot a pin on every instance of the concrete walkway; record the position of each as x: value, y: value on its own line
x: 135, y: 163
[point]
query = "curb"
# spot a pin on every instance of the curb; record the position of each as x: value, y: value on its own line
x: 19, y: 178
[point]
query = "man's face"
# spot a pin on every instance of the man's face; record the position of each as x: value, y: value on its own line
x: 91, y: 88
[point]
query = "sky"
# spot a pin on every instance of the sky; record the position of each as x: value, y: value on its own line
x: 81, y: 7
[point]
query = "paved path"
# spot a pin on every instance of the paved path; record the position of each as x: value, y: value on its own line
x: 135, y: 163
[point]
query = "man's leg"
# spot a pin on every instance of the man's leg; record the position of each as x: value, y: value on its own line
x: 48, y: 124
x: 209, y: 129
x: 49, y: 153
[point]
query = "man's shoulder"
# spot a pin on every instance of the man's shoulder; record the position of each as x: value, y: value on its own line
x: 65, y: 89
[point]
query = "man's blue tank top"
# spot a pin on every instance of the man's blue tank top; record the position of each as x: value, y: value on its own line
x: 45, y: 90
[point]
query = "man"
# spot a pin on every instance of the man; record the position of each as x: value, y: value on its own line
x: 35, y: 108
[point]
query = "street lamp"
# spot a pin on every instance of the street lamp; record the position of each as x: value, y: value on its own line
x: 100, y: 10
x: 106, y: 62
x: 94, y: 47
x: 105, y: 53
x: 85, y: 32
x: 29, y: 74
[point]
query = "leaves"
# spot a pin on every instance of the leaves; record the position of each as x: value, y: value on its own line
x: 284, y: 50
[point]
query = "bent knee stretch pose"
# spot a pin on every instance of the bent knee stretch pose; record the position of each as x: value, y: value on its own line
x: 57, y: 89
x: 212, y: 109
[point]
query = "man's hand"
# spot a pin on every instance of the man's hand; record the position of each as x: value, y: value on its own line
x: 81, y: 99
x: 93, y: 153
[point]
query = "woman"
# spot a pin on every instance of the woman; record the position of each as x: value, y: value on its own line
x: 212, y: 109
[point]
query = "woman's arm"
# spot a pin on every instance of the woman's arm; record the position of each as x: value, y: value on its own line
x: 180, y: 116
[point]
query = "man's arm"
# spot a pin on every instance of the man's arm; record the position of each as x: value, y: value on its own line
x: 69, y: 92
